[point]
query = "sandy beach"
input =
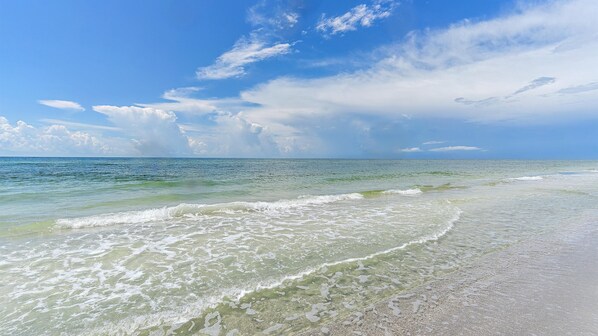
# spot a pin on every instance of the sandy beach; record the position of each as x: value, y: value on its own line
x: 544, y: 286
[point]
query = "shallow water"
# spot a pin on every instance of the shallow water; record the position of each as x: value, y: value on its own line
x: 181, y: 246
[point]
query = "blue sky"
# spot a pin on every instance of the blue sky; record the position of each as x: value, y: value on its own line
x: 356, y: 79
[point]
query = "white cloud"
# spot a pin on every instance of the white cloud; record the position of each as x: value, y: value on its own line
x: 273, y: 15
x: 455, y: 148
x: 62, y: 104
x: 579, y: 88
x: 154, y: 132
x: 24, y: 139
x: 245, y: 51
x: 231, y: 135
x: 433, y: 142
x: 181, y: 101
x: 77, y: 125
x: 410, y: 150
x: 360, y: 15
x: 469, y: 63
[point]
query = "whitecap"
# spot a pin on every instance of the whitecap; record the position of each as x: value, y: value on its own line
x: 405, y: 192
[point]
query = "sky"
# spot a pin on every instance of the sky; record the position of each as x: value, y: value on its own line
x: 300, y: 79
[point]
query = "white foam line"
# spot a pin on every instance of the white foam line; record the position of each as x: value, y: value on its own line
x: 300, y: 275
x: 160, y: 214
x: 238, y: 294
x: 526, y: 178
x: 406, y: 192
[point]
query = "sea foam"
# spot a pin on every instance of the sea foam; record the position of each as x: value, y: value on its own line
x: 406, y: 192
x: 189, y: 210
x: 526, y: 178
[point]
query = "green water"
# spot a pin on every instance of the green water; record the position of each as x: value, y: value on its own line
x: 188, y: 246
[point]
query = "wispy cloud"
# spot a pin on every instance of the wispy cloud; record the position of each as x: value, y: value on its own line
x: 455, y: 148
x: 62, y: 104
x: 245, y: 51
x: 481, y: 102
x: 359, y: 16
x: 273, y: 15
x: 264, y: 42
x: 410, y: 150
x: 183, y: 100
x: 433, y: 142
x: 77, y: 125
x: 536, y: 83
x: 579, y: 88
x: 422, y: 75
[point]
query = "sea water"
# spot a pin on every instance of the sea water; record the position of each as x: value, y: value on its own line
x: 242, y: 247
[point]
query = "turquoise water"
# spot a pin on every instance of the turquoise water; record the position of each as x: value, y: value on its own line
x: 208, y: 246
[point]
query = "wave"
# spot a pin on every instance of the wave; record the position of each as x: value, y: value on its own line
x: 406, y: 192
x: 183, y: 210
x: 237, y: 294
x: 526, y: 178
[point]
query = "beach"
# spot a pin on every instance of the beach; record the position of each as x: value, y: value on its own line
x: 278, y: 247
x: 544, y: 286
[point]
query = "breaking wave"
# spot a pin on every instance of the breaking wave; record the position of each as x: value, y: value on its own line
x: 189, y: 210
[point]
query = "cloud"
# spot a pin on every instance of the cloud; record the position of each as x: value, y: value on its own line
x: 579, y: 88
x: 433, y: 142
x: 481, y: 102
x: 541, y: 81
x: 78, y: 125
x: 62, y: 104
x: 536, y: 83
x: 24, y: 139
x: 154, y: 132
x: 359, y: 16
x: 410, y: 150
x: 274, y: 15
x: 422, y: 75
x: 180, y: 100
x: 245, y: 51
x: 455, y: 148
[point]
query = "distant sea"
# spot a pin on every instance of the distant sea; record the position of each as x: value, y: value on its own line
x: 240, y: 246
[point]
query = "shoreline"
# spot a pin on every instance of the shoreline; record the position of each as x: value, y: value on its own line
x: 547, y: 285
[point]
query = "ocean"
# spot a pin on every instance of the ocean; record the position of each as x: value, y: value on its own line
x: 97, y: 246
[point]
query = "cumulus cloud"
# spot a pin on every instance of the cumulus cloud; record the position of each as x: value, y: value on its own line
x: 24, y: 139
x: 455, y: 148
x: 230, y: 135
x: 359, y: 16
x: 154, y: 132
x: 62, y: 104
x: 245, y: 51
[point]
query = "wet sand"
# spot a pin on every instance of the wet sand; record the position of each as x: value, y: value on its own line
x: 544, y: 286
